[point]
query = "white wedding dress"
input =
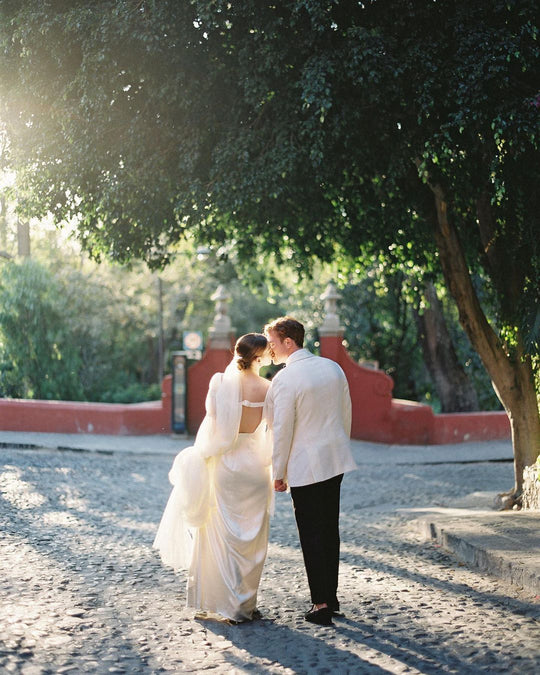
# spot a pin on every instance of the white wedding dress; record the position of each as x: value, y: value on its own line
x: 216, y: 521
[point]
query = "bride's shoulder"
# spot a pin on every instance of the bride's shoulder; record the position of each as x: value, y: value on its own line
x: 258, y: 388
x: 215, y: 380
x: 264, y: 383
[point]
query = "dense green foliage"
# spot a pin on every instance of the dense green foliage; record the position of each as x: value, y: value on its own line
x: 67, y: 336
x: 299, y: 127
x: 94, y: 328
x: 36, y: 358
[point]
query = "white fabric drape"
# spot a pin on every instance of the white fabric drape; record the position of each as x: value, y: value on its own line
x: 230, y: 549
x: 190, y: 501
x: 218, y: 468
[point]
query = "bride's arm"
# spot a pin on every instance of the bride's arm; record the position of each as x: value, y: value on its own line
x: 207, y: 430
x: 210, y: 403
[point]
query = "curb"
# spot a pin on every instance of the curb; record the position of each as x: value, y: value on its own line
x: 92, y: 451
x: 486, y: 552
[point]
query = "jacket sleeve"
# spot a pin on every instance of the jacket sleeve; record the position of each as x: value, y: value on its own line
x: 284, y: 414
x: 346, y: 407
x: 268, y: 409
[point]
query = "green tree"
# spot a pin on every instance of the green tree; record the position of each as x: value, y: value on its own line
x: 66, y: 335
x: 38, y: 359
x: 309, y: 129
x: 379, y: 305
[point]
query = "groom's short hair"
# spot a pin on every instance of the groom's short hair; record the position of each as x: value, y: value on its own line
x: 286, y: 326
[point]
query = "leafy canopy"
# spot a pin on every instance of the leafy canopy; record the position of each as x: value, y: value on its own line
x: 309, y: 129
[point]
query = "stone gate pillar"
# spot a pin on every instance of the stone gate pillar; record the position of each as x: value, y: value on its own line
x: 330, y: 331
x: 371, y: 390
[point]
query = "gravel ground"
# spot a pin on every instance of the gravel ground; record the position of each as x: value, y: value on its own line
x: 81, y: 589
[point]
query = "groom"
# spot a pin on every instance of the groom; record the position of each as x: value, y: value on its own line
x: 311, y: 408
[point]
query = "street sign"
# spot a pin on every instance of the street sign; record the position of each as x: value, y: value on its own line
x: 192, y: 341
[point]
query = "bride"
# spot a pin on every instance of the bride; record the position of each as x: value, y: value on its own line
x: 216, y: 521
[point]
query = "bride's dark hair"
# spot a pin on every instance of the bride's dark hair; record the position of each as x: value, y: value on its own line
x: 248, y: 348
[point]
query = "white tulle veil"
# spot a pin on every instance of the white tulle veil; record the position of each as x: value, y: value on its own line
x: 191, y: 498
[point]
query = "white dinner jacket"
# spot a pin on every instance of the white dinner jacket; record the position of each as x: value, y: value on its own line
x: 309, y: 410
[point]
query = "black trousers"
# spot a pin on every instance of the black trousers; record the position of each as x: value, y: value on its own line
x: 316, y: 508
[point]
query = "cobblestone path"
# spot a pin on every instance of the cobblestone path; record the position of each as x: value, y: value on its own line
x: 81, y: 590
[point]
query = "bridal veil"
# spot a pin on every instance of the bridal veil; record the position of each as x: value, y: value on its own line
x: 191, y: 499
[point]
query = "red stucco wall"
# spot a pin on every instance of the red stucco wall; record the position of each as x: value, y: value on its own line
x: 198, y: 378
x: 378, y: 417
x: 71, y: 417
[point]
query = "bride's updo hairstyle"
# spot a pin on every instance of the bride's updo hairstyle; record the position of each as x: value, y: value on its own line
x: 248, y: 348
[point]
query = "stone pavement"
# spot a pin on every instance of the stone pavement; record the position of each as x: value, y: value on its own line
x: 503, y: 544
x: 81, y: 589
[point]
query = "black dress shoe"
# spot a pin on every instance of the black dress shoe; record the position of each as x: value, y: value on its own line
x: 322, y: 617
x: 334, y: 606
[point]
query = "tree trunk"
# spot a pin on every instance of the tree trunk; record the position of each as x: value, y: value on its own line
x: 3, y: 223
x: 23, y: 239
x: 512, y: 377
x: 453, y: 387
x: 524, y: 417
x: 4, y: 229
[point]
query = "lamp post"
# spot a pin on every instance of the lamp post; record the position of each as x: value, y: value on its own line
x: 161, y: 336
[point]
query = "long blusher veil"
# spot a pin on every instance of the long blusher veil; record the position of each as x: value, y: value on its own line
x: 191, y: 499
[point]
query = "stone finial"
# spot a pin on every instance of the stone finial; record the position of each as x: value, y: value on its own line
x: 221, y: 330
x: 330, y: 325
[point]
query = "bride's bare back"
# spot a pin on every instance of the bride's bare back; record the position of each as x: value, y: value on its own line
x: 254, y: 390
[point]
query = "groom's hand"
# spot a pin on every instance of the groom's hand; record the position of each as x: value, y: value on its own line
x: 280, y: 485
